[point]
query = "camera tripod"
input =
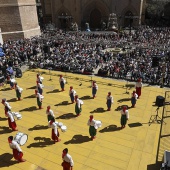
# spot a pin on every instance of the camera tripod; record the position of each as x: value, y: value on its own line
x: 155, y: 118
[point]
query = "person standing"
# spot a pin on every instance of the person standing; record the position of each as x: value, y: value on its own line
x: 109, y: 101
x: 94, y: 89
x: 39, y: 79
x: 7, y: 106
x: 17, y: 152
x: 40, y: 87
x: 50, y: 114
x: 18, y: 91
x: 54, y: 133
x: 11, y: 121
x: 139, y: 87
x: 62, y: 82
x: 72, y: 94
x: 39, y: 99
x: 124, y: 116
x: 67, y: 163
x: 11, y: 82
x: 134, y: 98
x: 92, y: 127
x: 78, y: 105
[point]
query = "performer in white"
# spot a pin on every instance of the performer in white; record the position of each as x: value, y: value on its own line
x: 50, y: 114
x: 39, y: 99
x: 11, y: 121
x: 62, y: 82
x: 17, y: 152
x: 124, y: 116
x: 134, y: 98
x: 92, y: 127
x: 55, y: 133
x: 109, y: 101
x: 139, y: 86
x: 94, y: 89
x: 7, y: 106
x: 67, y: 163
x: 39, y: 78
x: 11, y: 82
x: 40, y: 87
x: 78, y: 106
x: 18, y: 91
x: 72, y: 94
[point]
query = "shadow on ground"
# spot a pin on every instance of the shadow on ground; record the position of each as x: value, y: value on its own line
x: 3, y: 119
x: 30, y: 97
x: 32, y: 108
x: 86, y: 97
x: 124, y: 100
x: 12, y: 100
x: 110, y: 128
x: 63, y: 103
x: 4, y: 129
x: 67, y: 116
x: 77, y: 139
x: 99, y: 110
x: 38, y: 127
x: 119, y: 108
x: 43, y: 142
x: 54, y: 91
x: 6, y: 160
x: 33, y: 87
x: 137, y: 124
x: 6, y: 89
x: 155, y: 166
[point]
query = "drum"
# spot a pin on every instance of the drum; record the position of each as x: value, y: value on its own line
x: 21, y: 138
x: 98, y: 123
x: 56, y: 123
x: 17, y: 115
x: 13, y: 80
x: 60, y: 124
x: 63, y: 128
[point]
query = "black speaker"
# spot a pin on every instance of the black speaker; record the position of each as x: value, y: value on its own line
x: 160, y: 101
x: 46, y: 49
x: 155, y: 61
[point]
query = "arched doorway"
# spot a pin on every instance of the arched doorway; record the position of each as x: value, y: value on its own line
x: 95, y: 19
x: 128, y: 20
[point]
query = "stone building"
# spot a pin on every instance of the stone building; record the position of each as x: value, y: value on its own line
x: 92, y: 11
x: 18, y: 19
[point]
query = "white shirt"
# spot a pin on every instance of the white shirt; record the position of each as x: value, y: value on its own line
x: 72, y: 91
x: 79, y: 103
x: 136, y: 96
x: 110, y: 98
x: 68, y: 159
x: 125, y: 113
x: 15, y: 145
x: 19, y: 89
x: 62, y: 79
x: 40, y: 85
x: 92, y: 123
x: 39, y: 96
x: 139, y: 84
x: 50, y: 112
x: 95, y: 85
x: 7, y: 105
x: 10, y: 115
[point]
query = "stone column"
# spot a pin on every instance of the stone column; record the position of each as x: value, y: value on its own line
x: 18, y: 19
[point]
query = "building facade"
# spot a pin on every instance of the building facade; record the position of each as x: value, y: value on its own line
x: 93, y: 11
x: 18, y: 19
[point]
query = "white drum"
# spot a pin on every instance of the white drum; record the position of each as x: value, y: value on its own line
x: 56, y: 123
x: 17, y: 115
x: 98, y: 123
x: 63, y: 128
x: 21, y: 138
x: 13, y: 80
x: 60, y: 124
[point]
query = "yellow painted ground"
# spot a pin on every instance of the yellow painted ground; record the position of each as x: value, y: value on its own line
x: 133, y: 148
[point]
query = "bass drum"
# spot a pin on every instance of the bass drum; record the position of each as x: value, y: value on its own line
x: 21, y: 138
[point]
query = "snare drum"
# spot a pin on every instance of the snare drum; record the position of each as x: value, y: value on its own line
x: 60, y: 124
x: 98, y: 123
x: 21, y: 138
x: 63, y: 128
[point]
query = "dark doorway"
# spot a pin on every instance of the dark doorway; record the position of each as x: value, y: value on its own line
x: 95, y: 19
x: 128, y: 20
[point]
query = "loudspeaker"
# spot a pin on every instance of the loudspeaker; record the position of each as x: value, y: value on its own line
x: 46, y: 49
x: 155, y: 61
x: 18, y: 73
x: 160, y: 101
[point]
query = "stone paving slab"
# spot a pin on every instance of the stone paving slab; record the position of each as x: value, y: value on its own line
x: 133, y: 148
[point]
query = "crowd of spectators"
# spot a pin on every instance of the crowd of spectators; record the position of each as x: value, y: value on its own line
x: 87, y: 53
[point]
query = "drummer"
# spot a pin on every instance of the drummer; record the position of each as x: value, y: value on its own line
x: 18, y: 91
x: 124, y: 116
x: 92, y: 127
x: 11, y: 121
x: 67, y: 163
x: 7, y: 106
x: 50, y: 114
x: 55, y: 133
x: 17, y: 152
x: 39, y: 78
x: 72, y: 94
x: 94, y: 89
x: 78, y: 106
x: 39, y: 99
x: 109, y: 101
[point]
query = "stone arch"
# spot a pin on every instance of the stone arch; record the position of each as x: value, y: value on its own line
x: 102, y: 12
